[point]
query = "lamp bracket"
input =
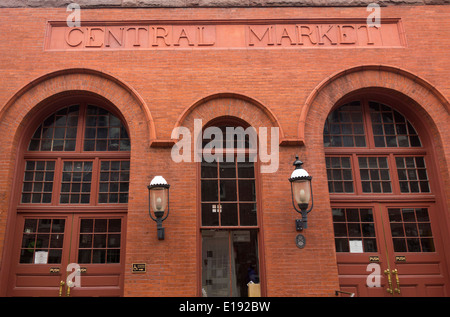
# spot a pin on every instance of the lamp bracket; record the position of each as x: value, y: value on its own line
x: 299, y: 225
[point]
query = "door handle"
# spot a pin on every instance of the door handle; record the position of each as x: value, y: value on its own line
x: 61, y: 284
x: 388, y: 273
x: 397, y: 289
x: 69, y: 286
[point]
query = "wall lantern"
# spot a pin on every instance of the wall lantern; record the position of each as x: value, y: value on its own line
x: 301, y: 191
x: 158, y: 196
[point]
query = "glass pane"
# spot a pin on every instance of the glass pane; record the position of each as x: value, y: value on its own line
x: 339, y: 174
x: 399, y: 245
x: 210, y: 214
x: 99, y: 240
x: 229, y: 262
x: 338, y: 215
x: 76, y: 177
x: 427, y: 245
x: 407, y: 225
x: 354, y: 228
x: 389, y: 127
x: 368, y: 230
x: 42, y: 241
x: 104, y: 131
x: 111, y: 172
x: 209, y: 170
x: 209, y: 190
x: 340, y: 230
x: 38, y: 185
x: 342, y: 245
x: 228, y: 190
x: 409, y: 170
x: 229, y: 215
x: 215, y: 263
x: 247, y: 214
x: 227, y: 169
x: 246, y: 170
x: 370, y: 245
x: 57, y: 132
x: 352, y: 215
x: 246, y: 260
x: 247, y: 190
x: 372, y: 170
x: 343, y: 127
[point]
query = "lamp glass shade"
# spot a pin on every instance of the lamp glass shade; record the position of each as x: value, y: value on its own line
x: 301, y: 190
x: 158, y: 198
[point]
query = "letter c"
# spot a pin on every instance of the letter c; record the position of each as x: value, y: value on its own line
x: 68, y: 37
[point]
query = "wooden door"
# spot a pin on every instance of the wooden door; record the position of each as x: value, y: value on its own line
x: 68, y: 254
x: 391, y: 250
x: 417, y: 263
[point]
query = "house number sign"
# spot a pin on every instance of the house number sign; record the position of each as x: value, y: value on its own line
x: 300, y: 241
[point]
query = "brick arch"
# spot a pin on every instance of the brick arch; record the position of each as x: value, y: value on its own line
x: 231, y: 105
x: 82, y: 80
x: 340, y: 84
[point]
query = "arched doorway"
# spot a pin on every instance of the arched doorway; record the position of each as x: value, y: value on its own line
x: 229, y: 225
x: 384, y: 197
x: 70, y: 198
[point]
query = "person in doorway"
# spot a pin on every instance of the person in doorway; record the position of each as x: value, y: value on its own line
x: 252, y: 276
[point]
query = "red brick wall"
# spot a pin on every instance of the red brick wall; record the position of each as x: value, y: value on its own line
x: 152, y: 89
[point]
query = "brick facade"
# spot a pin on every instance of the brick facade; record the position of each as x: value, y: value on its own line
x: 156, y: 91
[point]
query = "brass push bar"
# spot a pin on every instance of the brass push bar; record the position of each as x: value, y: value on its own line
x: 61, y: 284
x: 397, y: 289
x: 388, y: 273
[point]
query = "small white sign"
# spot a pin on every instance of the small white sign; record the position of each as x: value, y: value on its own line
x: 241, y: 236
x: 41, y: 257
x: 356, y: 246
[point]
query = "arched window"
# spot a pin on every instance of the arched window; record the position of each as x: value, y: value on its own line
x: 363, y: 142
x: 381, y: 195
x: 229, y: 217
x: 98, y: 171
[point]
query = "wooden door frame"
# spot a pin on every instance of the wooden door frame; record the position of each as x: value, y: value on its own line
x: 405, y: 106
x: 70, y: 247
x: 17, y: 267
x: 45, y: 109
x: 223, y: 120
x: 386, y: 253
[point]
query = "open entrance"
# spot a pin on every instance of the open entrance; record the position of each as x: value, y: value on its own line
x: 229, y: 229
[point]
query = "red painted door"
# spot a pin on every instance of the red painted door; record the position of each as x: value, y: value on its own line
x: 392, y: 250
x: 68, y: 254
x: 416, y: 258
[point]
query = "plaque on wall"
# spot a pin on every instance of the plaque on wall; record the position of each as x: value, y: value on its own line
x: 139, y: 268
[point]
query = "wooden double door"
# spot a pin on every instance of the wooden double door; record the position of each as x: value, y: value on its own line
x: 68, y: 254
x: 390, y: 249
